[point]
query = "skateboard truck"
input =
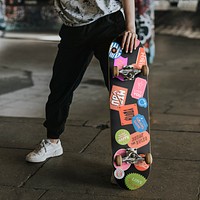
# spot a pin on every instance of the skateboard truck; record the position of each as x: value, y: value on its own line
x: 132, y: 157
x: 128, y: 72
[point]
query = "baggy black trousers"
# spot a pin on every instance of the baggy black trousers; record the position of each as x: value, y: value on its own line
x: 75, y: 51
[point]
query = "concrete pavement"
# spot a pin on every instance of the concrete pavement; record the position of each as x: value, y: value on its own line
x: 83, y: 172
x: 178, y: 23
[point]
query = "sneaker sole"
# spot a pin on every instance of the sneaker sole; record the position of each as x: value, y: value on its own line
x: 57, y: 153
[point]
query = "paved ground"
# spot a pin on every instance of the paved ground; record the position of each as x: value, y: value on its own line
x: 178, y: 23
x: 83, y: 172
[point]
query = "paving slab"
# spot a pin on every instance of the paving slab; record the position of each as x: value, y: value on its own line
x: 27, y: 54
x: 179, y: 85
x: 101, y: 145
x: 13, y: 79
x: 181, y: 50
x: 11, y: 193
x: 90, y: 102
x: 176, y: 145
x: 173, y: 88
x: 76, y: 139
x: 26, y: 133
x: 74, y: 172
x: 14, y: 170
x: 174, y: 122
x: 186, y: 23
x: 99, y: 123
x: 63, y: 195
x: 185, y: 108
x: 21, y: 132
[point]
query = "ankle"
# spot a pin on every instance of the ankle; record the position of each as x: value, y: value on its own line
x: 54, y: 141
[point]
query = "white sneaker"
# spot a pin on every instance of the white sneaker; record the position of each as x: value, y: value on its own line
x: 45, y: 150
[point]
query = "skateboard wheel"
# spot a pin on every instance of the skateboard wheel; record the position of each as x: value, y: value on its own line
x: 115, y: 71
x: 118, y: 160
x: 145, y: 70
x: 148, y: 158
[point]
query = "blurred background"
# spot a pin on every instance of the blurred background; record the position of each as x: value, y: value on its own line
x: 39, y: 15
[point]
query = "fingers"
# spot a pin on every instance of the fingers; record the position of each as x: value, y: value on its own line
x: 135, y: 41
x: 129, y: 41
x: 124, y: 39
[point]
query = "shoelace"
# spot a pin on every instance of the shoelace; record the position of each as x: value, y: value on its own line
x: 41, y: 145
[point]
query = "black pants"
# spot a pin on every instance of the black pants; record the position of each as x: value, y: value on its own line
x: 75, y: 51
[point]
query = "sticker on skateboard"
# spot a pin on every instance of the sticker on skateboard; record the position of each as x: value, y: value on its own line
x: 115, y: 50
x: 117, y: 97
x: 127, y: 113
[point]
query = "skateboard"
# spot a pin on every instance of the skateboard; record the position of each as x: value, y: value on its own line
x: 129, y: 115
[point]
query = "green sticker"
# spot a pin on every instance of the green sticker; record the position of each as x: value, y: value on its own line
x: 134, y: 181
x: 122, y: 137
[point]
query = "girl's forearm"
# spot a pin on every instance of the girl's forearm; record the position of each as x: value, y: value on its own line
x: 129, y: 11
x: 129, y: 36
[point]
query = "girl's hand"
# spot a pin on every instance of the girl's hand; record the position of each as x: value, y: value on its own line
x: 129, y: 41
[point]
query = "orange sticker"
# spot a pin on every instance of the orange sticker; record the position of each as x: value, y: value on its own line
x: 117, y: 97
x: 127, y: 112
x: 141, y: 58
x: 141, y: 166
x: 139, y: 140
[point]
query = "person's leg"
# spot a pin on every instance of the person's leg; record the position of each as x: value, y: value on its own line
x: 116, y: 26
x: 71, y: 62
x: 72, y: 59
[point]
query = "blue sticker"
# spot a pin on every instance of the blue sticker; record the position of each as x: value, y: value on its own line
x: 142, y: 102
x: 139, y: 123
x: 115, y: 50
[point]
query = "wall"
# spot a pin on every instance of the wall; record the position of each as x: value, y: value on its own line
x: 30, y: 15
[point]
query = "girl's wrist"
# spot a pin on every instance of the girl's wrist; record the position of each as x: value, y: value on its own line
x: 130, y: 28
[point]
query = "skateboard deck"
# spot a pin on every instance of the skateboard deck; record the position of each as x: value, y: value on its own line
x: 129, y: 115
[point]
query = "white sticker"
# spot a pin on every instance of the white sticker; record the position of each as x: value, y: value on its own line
x: 119, y: 173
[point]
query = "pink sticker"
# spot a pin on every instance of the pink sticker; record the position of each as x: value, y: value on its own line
x: 137, y: 43
x: 124, y: 165
x: 120, y: 62
x: 138, y: 88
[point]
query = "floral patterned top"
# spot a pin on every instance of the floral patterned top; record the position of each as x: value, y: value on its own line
x: 82, y: 12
